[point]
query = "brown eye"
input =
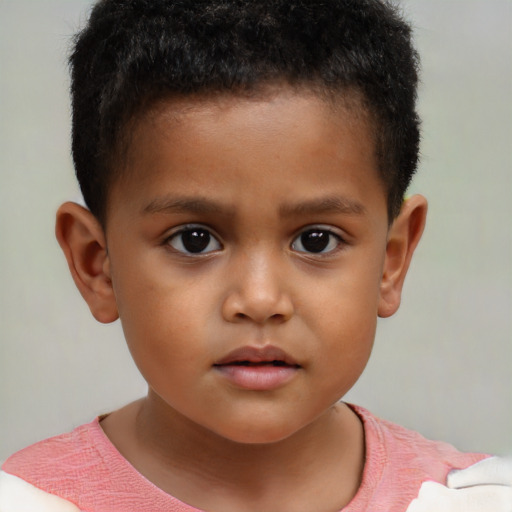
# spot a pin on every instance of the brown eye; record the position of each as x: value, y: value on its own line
x: 316, y: 240
x: 194, y: 240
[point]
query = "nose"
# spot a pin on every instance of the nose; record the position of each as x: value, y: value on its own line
x: 257, y: 292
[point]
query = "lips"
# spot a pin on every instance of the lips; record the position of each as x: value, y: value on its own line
x: 257, y: 368
x: 257, y: 355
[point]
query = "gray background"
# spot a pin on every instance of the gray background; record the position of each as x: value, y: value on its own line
x: 442, y: 365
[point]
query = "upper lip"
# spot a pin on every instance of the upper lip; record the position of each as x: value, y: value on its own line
x: 265, y: 354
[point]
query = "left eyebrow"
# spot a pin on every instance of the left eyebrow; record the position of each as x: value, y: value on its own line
x: 330, y: 204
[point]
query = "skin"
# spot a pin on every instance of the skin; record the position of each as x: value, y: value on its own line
x: 256, y: 173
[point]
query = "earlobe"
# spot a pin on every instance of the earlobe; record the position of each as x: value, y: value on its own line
x: 82, y: 240
x: 403, y: 238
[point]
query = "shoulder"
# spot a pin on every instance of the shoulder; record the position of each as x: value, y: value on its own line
x: 399, y: 460
x: 404, y: 447
x: 57, y: 465
x: 59, y: 455
x: 81, y: 469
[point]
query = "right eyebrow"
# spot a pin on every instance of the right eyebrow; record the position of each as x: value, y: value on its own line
x: 172, y: 204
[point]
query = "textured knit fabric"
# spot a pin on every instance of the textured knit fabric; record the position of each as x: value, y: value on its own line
x: 84, y: 468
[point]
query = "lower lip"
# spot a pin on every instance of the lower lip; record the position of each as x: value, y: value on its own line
x: 258, y: 378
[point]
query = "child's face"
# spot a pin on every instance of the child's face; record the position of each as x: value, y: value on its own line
x: 244, y: 224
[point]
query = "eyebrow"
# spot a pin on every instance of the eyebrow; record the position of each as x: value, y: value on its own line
x: 330, y: 204
x: 185, y: 205
x: 200, y: 205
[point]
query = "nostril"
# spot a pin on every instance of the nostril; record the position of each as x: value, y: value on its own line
x: 278, y: 318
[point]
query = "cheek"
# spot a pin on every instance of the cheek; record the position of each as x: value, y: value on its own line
x: 351, y: 341
x: 346, y: 319
x: 160, y: 321
x: 347, y: 304
x: 345, y: 359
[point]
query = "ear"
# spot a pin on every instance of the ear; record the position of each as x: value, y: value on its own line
x: 403, y: 237
x: 82, y: 239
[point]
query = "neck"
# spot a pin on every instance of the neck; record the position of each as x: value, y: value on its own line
x: 211, y: 472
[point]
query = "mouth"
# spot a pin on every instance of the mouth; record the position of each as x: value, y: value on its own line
x: 252, y: 356
x: 261, y: 363
x: 257, y: 368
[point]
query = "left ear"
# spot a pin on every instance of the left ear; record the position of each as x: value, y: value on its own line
x: 403, y: 237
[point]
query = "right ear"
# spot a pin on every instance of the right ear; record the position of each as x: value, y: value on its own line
x: 83, y: 242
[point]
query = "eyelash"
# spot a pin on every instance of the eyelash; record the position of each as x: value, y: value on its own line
x: 322, y: 237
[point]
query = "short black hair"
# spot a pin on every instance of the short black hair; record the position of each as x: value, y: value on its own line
x: 134, y: 52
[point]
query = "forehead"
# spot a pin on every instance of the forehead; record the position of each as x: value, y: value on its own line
x: 276, y: 103
x: 252, y: 143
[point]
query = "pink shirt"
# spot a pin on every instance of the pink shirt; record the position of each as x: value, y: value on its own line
x: 84, y: 468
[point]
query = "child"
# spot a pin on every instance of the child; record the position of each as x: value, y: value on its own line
x: 244, y: 165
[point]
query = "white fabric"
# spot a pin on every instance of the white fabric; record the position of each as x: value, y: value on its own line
x: 16, y: 495
x: 483, y: 487
x: 494, y: 470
